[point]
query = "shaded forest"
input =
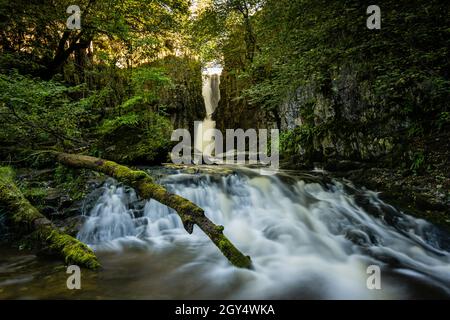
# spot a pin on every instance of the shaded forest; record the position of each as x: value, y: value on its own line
x: 370, y: 106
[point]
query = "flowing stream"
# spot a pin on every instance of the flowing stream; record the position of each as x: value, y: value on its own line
x: 307, y: 239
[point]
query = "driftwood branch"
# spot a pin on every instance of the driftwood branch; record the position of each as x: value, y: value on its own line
x: 144, y: 185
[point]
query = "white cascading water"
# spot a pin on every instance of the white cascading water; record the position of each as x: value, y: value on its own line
x: 211, y: 96
x: 306, y: 240
x: 112, y: 221
x: 112, y: 210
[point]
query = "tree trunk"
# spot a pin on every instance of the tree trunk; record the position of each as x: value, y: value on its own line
x: 144, y: 185
x: 28, y: 219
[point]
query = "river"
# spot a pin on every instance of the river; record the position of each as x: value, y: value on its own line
x: 308, y: 237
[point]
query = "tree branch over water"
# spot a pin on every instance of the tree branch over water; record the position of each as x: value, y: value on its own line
x: 144, y: 185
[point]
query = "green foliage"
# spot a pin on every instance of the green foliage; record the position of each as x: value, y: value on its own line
x: 138, y: 130
x: 7, y: 174
x: 147, y: 81
x: 72, y: 88
x: 310, y: 41
x: 132, y: 138
x: 182, y: 96
x: 72, y: 181
x: 131, y: 103
x: 390, y: 83
x: 299, y: 141
x: 128, y: 120
x: 444, y: 119
x: 129, y: 31
x: 289, y: 143
x: 40, y: 111
x: 35, y: 195
x: 418, y: 162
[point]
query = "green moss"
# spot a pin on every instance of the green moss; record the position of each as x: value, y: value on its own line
x: 36, y: 195
x: 28, y: 218
x: 27, y: 215
x: 233, y: 255
x: 6, y: 174
x: 74, y: 251
x: 22, y: 212
x: 72, y: 181
x: 126, y: 175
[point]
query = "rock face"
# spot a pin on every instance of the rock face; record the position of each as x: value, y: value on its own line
x: 234, y: 112
x: 422, y: 196
x: 339, y: 120
x: 184, y: 100
x: 344, y: 121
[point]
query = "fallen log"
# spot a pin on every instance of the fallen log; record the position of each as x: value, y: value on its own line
x: 29, y: 220
x: 144, y: 185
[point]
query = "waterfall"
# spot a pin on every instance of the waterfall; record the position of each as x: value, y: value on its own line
x: 306, y: 239
x: 111, y: 217
x: 211, y: 96
x: 117, y: 218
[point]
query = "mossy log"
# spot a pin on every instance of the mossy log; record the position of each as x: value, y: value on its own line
x: 29, y: 220
x: 144, y: 185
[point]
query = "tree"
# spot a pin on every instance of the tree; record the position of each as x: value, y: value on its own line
x: 38, y: 29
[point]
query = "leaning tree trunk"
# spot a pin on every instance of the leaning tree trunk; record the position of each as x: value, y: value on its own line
x: 28, y: 219
x: 189, y: 213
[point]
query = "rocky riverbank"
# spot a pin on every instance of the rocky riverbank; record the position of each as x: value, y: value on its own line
x: 424, y: 196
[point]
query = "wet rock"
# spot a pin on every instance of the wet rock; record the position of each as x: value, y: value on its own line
x: 65, y: 201
x: 414, y: 194
x: 57, y: 198
x: 342, y: 165
x: 74, y: 210
x: 71, y: 225
x: 358, y: 237
x: 88, y: 203
x: 49, y: 211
